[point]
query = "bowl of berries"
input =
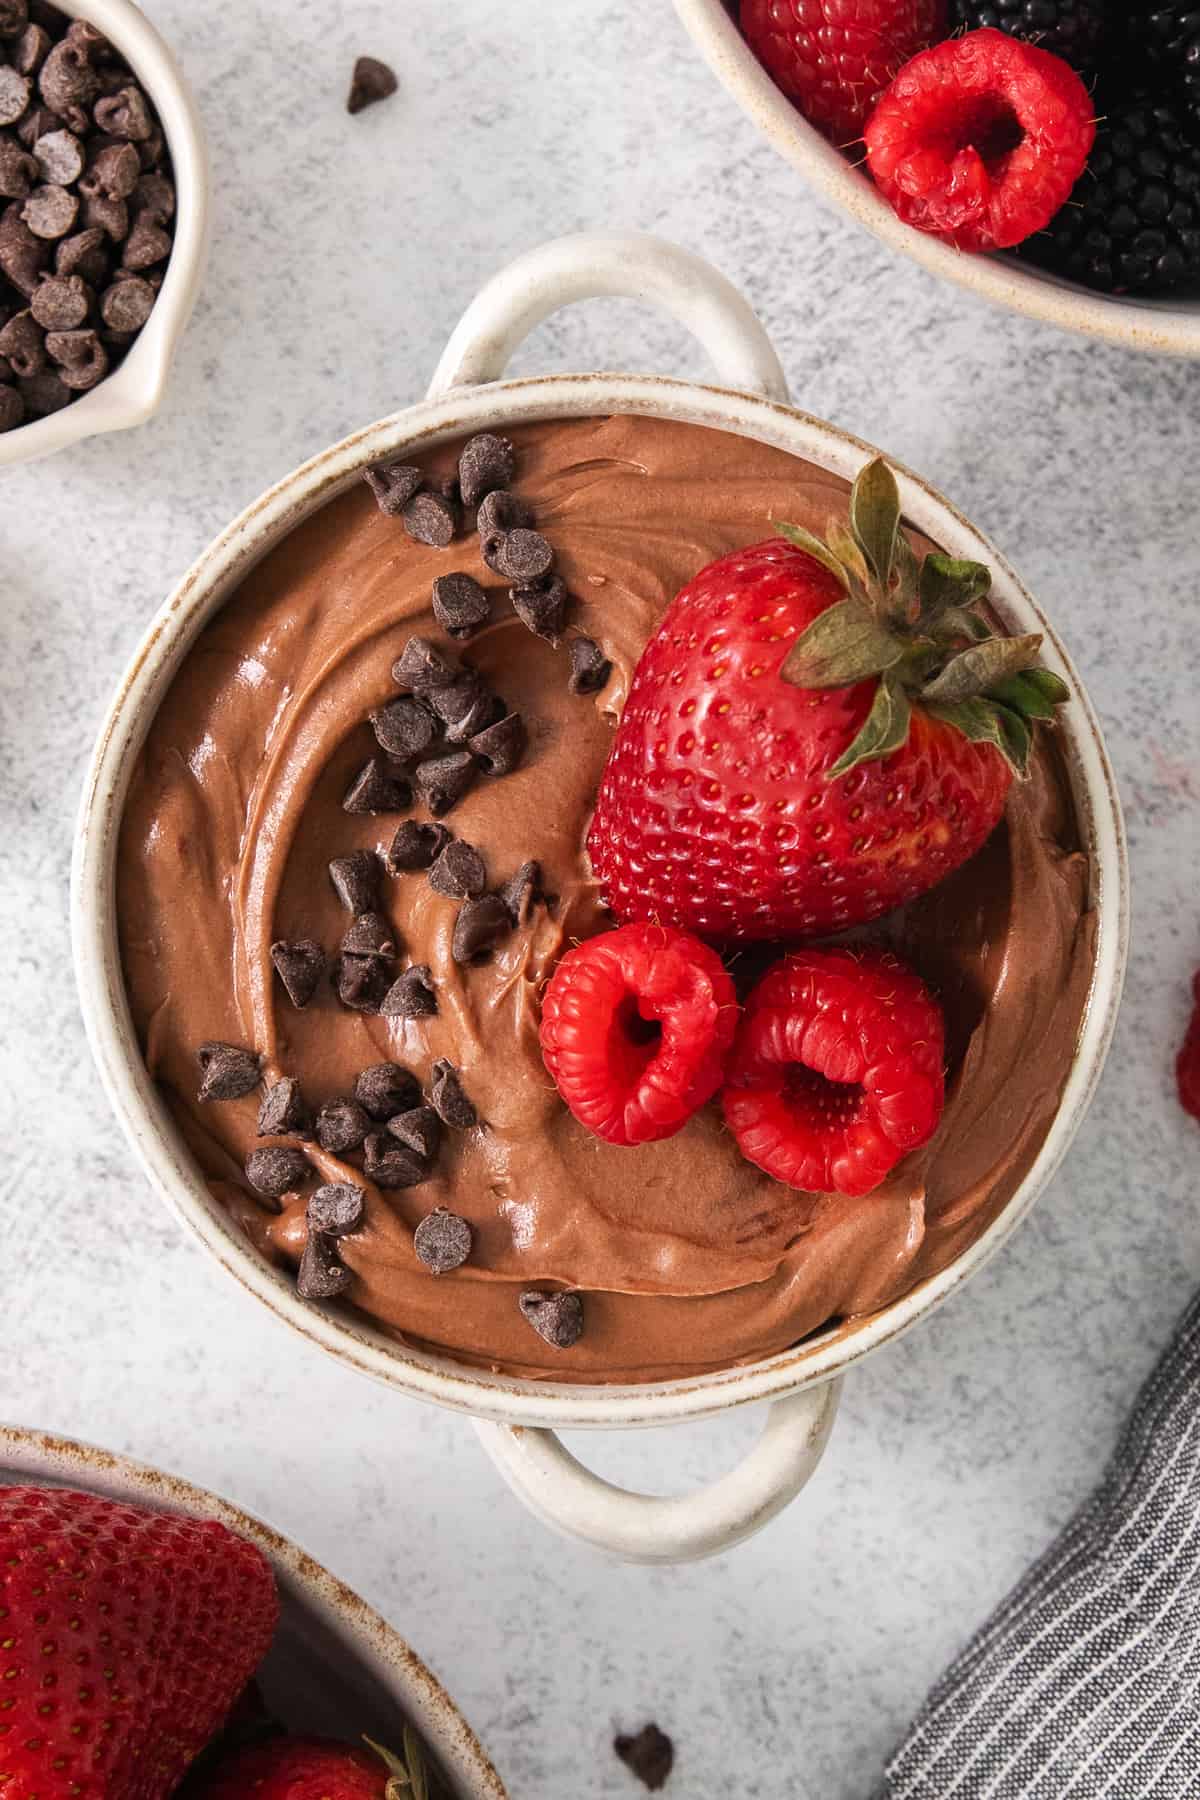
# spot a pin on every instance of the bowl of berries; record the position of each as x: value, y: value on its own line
x: 242, y: 1665
x: 600, y: 900
x: 1044, y: 154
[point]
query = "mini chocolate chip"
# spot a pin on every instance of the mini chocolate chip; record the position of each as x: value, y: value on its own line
x: 501, y: 746
x: 499, y: 513
x: 146, y: 245
x: 392, y: 1165
x: 16, y: 92
x: 523, y: 556
x: 59, y: 156
x: 449, y: 1101
x: 12, y: 409
x: 377, y: 789
x: 50, y: 211
x: 459, y: 871
x: 23, y: 344
x: 125, y: 114
x: 154, y: 196
x: 18, y: 171
x: 336, y: 1209
x: 114, y: 174
x: 228, y: 1071
x: 460, y: 605
x: 341, y: 1125
x: 590, y: 668
x: 420, y: 1129
x: 62, y: 303
x: 369, y: 935
x: 44, y: 393
x: 542, y: 607
x: 68, y: 83
x: 83, y: 254
x: 480, y: 925
x: 126, y: 305
x: 443, y: 1241
x: 521, y: 892
x: 323, y: 1275
x: 423, y: 667
x: 416, y: 846
x: 356, y: 880
x: 90, y: 39
x: 386, y: 1089
x: 411, y: 995
x: 372, y: 81
x: 32, y: 50
x: 393, y: 485
x: 362, y: 981
x: 14, y: 17
x: 284, y: 1110
x: 36, y: 123
x: 458, y: 700
x: 558, y: 1318
x: 443, y: 780
x: 299, y: 966
x: 487, y: 462
x: 405, y: 727
x: 431, y: 519
x: 277, y: 1170
x: 81, y: 357
x: 22, y: 255
x: 650, y: 1755
x: 109, y: 216
x: 153, y: 150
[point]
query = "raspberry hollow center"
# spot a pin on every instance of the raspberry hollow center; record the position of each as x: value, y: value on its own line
x: 636, y: 1040
x: 821, y: 1105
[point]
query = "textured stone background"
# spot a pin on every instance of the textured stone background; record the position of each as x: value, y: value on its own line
x: 344, y: 252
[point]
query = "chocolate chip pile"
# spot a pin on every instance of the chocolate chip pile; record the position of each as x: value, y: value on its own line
x: 444, y: 730
x: 87, y: 202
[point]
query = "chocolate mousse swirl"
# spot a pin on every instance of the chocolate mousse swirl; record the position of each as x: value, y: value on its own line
x: 688, y: 1257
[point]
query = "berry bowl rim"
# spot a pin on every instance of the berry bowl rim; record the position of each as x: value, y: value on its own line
x: 135, y: 389
x: 143, y: 1115
x: 1162, y: 327
x: 312, y: 1600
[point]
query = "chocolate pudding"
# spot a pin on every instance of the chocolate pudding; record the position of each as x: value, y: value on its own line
x: 687, y: 1257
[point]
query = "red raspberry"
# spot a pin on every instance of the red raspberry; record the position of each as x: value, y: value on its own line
x: 837, y: 1070
x: 636, y: 1024
x: 981, y: 139
x: 1187, y: 1063
x: 833, y: 57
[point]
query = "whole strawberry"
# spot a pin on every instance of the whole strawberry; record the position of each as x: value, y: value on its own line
x: 126, y: 1637
x: 817, y: 732
x: 306, y: 1768
x: 834, y: 57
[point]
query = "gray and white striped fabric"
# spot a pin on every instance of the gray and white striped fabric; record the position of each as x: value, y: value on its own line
x: 1085, y: 1684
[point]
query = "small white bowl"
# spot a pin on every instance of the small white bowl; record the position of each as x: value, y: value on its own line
x: 518, y: 1419
x: 335, y: 1667
x: 1170, y: 327
x: 134, y: 390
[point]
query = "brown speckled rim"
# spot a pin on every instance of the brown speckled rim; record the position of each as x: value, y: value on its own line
x: 1167, y: 327
x: 40, y: 1457
x: 145, y: 1118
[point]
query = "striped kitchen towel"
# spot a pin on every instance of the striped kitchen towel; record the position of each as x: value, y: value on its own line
x: 1085, y: 1684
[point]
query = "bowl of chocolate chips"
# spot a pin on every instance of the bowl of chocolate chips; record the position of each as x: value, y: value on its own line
x: 103, y: 221
x: 448, y: 874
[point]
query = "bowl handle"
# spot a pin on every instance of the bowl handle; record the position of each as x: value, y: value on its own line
x: 629, y: 267
x: 645, y: 1528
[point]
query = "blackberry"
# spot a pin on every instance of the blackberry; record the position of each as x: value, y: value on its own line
x: 1076, y: 30
x: 1166, y: 44
x: 1132, y: 224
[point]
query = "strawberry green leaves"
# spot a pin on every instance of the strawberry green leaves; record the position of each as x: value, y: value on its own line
x: 912, y: 624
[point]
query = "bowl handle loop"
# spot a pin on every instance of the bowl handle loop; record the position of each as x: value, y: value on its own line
x: 629, y: 267
x: 644, y: 1528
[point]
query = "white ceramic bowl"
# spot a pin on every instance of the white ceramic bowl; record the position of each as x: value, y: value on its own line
x: 1169, y: 326
x: 516, y: 1416
x: 135, y: 388
x: 335, y: 1667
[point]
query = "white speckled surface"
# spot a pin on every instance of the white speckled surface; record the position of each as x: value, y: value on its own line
x: 344, y: 251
